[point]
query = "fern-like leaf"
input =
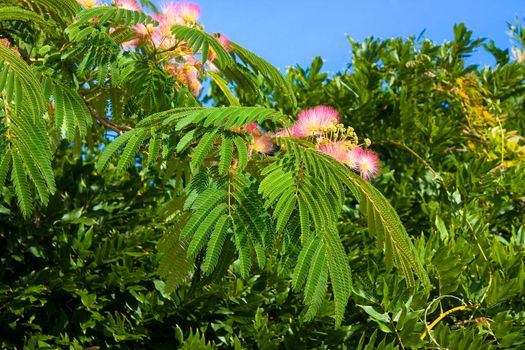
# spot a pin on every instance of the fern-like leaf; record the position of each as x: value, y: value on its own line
x: 71, y: 112
x: 111, y: 149
x: 203, y: 231
x: 222, y: 84
x: 385, y: 224
x: 19, y: 179
x: 27, y: 87
x: 199, y: 40
x: 13, y: 13
x: 5, y: 165
x: 174, y: 265
x: 266, y: 69
x: 215, y: 244
x: 226, y: 154
x: 109, y: 14
x: 203, y: 148
x: 60, y: 9
x: 132, y: 148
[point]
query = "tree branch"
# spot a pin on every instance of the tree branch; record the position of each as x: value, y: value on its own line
x: 107, y: 123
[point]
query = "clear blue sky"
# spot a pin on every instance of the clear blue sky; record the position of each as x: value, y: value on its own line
x: 290, y: 32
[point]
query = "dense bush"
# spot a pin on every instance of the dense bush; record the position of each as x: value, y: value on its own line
x: 80, y: 260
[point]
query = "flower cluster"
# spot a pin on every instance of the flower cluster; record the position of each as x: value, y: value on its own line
x: 178, y: 60
x: 332, y: 138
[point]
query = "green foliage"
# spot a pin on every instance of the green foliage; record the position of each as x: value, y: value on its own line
x: 193, y: 239
x: 199, y: 40
x: 108, y: 14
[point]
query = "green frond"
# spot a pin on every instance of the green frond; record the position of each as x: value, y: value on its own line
x: 303, y: 262
x: 5, y: 165
x: 203, y: 148
x: 132, y: 148
x: 71, y: 112
x: 226, y: 154
x: 19, y: 179
x: 31, y: 137
x: 202, y: 42
x: 25, y: 86
x: 148, y: 84
x: 174, y: 265
x: 154, y: 147
x: 284, y: 208
x: 111, y: 149
x: 318, y: 267
x: 248, y: 206
x: 223, y: 86
x: 13, y: 13
x: 62, y: 9
x: 123, y: 34
x: 266, y: 69
x: 260, y: 253
x: 203, y: 231
x: 385, y: 225
x: 34, y: 173
x: 318, y: 295
x: 199, y: 183
x: 215, y: 244
x: 224, y: 117
x: 110, y: 15
x: 242, y: 152
x: 30, y: 152
x: 188, y: 139
x: 204, y: 204
x: 243, y: 249
x: 340, y: 274
x: 304, y: 219
x: 275, y: 184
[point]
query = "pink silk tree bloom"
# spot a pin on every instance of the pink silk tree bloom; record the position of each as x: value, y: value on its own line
x: 312, y: 121
x: 132, y: 5
x: 187, y: 74
x: 353, y: 155
x: 189, y: 12
x: 367, y: 163
x: 262, y: 144
x: 252, y: 129
x: 180, y: 13
x: 337, y: 150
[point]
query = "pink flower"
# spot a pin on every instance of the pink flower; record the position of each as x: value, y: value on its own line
x: 337, y: 150
x: 180, y: 13
x: 252, y: 129
x: 365, y: 161
x: 132, y: 5
x: 186, y: 73
x: 262, y: 144
x: 189, y: 12
x: 312, y: 121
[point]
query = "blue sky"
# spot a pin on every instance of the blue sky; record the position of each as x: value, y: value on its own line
x: 294, y: 32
